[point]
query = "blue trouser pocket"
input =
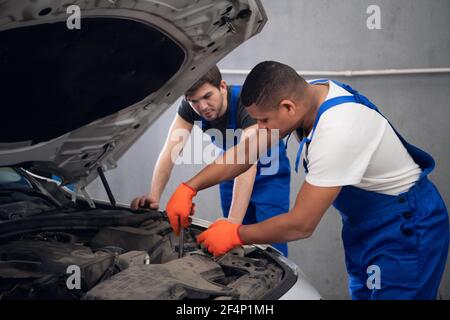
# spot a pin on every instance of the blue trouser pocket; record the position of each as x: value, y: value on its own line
x: 409, y: 247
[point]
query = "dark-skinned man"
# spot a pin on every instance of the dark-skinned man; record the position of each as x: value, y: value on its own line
x: 393, y: 217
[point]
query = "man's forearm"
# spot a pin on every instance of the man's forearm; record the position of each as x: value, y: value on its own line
x: 242, y: 192
x: 300, y: 222
x: 281, y: 228
x: 228, y: 166
x: 161, y: 175
x: 216, y: 173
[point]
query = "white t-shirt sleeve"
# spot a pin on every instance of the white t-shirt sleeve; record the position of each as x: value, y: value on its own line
x: 343, y: 144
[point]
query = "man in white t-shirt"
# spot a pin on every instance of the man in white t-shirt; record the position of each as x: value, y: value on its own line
x: 395, y: 223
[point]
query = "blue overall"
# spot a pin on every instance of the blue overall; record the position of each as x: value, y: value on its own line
x: 405, y: 236
x: 270, y: 196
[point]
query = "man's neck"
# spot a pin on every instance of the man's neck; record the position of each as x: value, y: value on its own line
x: 316, y: 96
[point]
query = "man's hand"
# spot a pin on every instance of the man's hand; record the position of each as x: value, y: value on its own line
x: 221, y: 237
x: 144, y: 202
x: 180, y: 207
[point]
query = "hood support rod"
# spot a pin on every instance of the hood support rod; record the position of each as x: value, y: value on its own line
x: 106, y: 186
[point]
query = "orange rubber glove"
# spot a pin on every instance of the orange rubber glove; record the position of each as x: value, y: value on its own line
x: 221, y: 237
x: 180, y: 207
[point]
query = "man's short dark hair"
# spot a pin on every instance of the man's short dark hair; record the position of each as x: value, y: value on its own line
x: 213, y: 77
x: 269, y: 82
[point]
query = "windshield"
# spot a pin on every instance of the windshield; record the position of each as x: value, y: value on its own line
x: 11, y: 179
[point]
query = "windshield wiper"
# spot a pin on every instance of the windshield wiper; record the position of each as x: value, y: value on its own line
x: 42, y: 190
x: 31, y: 192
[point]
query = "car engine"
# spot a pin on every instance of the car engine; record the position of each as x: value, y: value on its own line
x: 121, y: 254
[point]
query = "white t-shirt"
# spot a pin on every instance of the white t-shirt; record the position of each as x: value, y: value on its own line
x: 355, y: 145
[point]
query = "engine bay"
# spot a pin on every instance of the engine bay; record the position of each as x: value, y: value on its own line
x: 121, y: 254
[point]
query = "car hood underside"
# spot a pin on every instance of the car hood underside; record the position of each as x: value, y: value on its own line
x: 75, y: 100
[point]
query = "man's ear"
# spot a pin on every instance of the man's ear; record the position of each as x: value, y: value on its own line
x: 223, y: 85
x: 289, y: 106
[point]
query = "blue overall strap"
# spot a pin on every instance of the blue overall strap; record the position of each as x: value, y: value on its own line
x: 359, y: 97
x: 232, y: 113
x: 299, y: 152
x: 324, y: 107
x: 427, y: 161
x: 304, y: 140
x: 356, y: 97
x: 318, y: 81
x: 205, y: 125
x: 289, y: 135
x: 234, y: 103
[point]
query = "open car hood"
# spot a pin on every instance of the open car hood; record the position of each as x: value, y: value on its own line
x: 74, y: 100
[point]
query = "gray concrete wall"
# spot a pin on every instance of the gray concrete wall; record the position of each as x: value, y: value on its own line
x: 332, y: 35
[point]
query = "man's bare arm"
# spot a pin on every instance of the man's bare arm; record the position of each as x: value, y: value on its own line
x: 252, y: 147
x: 243, y: 187
x: 176, y: 139
x: 299, y: 223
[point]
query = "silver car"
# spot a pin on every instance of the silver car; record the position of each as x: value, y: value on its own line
x: 81, y: 81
